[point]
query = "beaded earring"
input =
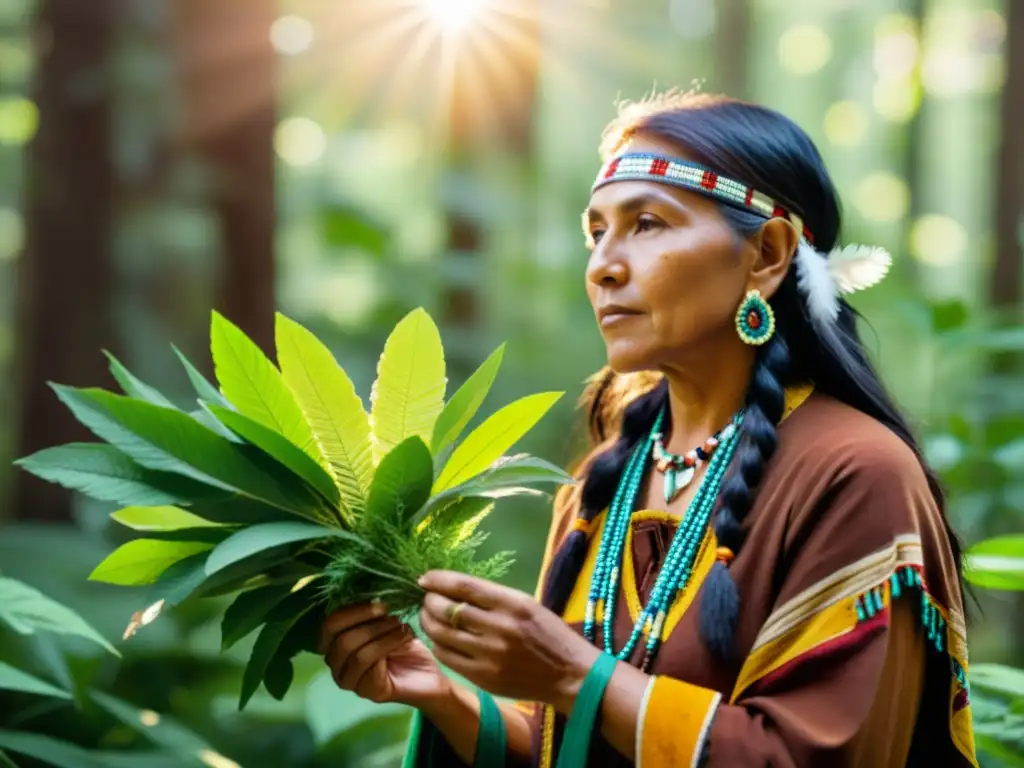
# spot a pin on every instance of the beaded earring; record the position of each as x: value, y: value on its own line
x: 755, y: 320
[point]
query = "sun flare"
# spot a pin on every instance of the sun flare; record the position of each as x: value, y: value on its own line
x: 452, y: 16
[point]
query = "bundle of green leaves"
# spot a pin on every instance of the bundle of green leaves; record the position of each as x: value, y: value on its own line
x: 283, y: 490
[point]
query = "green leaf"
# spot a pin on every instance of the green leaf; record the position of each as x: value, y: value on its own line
x: 331, y: 406
x: 486, y: 444
x: 159, y: 519
x: 459, y: 520
x: 504, y: 478
x: 256, y: 388
x: 465, y: 403
x: 159, y: 729
x: 169, y: 441
x: 249, y: 610
x: 277, y: 447
x: 13, y: 679
x: 279, y: 675
x: 208, y: 420
x: 401, y: 485
x: 182, y: 579
x: 997, y: 563
x: 998, y: 678
x: 204, y: 389
x: 408, y: 394
x: 133, y: 387
x: 304, y: 635
x: 270, y: 638
x: 103, y: 472
x: 143, y: 560
x: 50, y: 751
x: 238, y: 510
x: 347, y: 227
x: 258, y: 538
x: 27, y: 610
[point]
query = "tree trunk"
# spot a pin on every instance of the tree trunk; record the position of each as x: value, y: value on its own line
x: 227, y: 65
x: 732, y: 45
x: 500, y: 120
x: 66, y: 273
x: 1007, y: 282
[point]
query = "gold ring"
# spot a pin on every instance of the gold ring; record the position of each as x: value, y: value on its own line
x: 453, y: 614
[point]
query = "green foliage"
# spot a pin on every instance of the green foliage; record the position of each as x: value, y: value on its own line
x: 283, y: 617
x: 105, y: 473
x: 997, y: 563
x: 255, y: 386
x: 465, y: 403
x: 13, y: 679
x: 408, y: 394
x: 283, y: 492
x: 330, y: 403
x: 401, y: 486
x: 278, y: 447
x: 204, y: 389
x: 143, y: 560
x: 169, y: 441
x: 158, y: 519
x: 490, y: 440
x: 257, y: 539
x: 249, y: 610
x: 134, y: 387
x: 27, y: 611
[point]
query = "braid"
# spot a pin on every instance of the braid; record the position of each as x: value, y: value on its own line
x: 602, y: 477
x: 720, y: 600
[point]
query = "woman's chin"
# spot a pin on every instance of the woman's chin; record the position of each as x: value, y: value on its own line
x: 628, y: 358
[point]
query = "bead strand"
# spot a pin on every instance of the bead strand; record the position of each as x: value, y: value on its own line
x: 679, y: 561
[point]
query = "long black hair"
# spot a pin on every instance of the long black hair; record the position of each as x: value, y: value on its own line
x: 766, y: 150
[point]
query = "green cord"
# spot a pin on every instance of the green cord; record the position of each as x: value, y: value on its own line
x: 580, y: 727
x: 491, y: 743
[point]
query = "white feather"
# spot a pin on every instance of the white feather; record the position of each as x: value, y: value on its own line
x: 816, y: 283
x: 857, y: 267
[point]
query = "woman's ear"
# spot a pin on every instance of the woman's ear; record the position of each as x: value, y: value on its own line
x: 778, y: 240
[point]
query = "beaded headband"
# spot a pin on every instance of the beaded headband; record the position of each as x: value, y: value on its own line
x: 822, y: 278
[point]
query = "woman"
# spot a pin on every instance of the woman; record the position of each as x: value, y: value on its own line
x: 802, y: 608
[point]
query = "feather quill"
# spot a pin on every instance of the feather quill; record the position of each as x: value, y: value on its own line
x: 816, y: 283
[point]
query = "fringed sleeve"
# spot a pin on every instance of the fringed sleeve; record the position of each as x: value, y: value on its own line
x: 863, y: 659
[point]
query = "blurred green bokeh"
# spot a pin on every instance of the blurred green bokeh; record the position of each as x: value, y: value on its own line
x: 421, y: 158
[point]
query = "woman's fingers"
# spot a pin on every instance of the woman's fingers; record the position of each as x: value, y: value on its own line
x: 469, y: 617
x: 346, y: 618
x: 477, y: 631
x: 348, y: 643
x: 362, y: 662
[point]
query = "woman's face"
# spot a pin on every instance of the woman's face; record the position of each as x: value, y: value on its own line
x: 666, y: 272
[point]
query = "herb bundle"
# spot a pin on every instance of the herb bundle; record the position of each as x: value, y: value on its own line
x: 282, y: 490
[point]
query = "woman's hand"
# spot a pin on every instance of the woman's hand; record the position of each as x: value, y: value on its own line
x: 379, y: 658
x: 503, y: 640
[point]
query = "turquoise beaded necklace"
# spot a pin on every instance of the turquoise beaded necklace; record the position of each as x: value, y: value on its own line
x: 682, y: 553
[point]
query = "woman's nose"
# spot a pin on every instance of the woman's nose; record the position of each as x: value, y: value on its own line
x: 606, y: 265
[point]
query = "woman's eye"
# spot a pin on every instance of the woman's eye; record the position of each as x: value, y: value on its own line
x: 645, y: 223
x: 595, y: 237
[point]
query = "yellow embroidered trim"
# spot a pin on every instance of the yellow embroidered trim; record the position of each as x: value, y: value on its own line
x: 638, y: 740
x: 547, y: 741
x: 675, y: 723
x: 702, y: 566
x: 795, y: 397
x: 961, y: 725
x: 832, y: 622
x: 848, y: 581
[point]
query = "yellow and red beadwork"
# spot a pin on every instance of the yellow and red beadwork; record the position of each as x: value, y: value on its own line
x: 640, y: 166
